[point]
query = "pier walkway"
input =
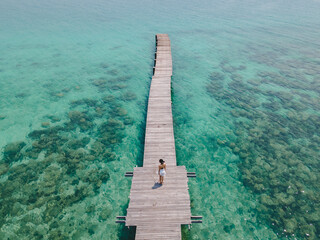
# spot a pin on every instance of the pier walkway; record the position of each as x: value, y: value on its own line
x: 159, y: 211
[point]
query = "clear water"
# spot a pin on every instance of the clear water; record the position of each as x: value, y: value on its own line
x: 74, y: 80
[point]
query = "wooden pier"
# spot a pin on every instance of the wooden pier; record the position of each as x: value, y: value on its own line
x: 159, y: 211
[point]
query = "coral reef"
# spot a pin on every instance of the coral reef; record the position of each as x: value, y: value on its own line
x: 277, y: 142
x: 61, y: 166
x: 12, y: 152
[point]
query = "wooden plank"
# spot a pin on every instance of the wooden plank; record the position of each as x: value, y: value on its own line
x: 151, y: 130
x: 164, y: 43
x: 163, y: 71
x: 164, y: 49
x: 168, y: 78
x: 160, y: 110
x: 163, y: 56
x: 163, y: 66
x: 160, y: 85
x: 158, y: 125
x: 160, y: 135
x: 159, y: 101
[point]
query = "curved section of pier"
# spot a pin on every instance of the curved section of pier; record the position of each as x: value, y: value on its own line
x: 159, y: 211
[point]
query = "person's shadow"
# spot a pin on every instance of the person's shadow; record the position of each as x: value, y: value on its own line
x: 156, y: 185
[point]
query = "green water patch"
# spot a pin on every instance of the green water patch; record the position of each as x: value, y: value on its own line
x: 58, y: 173
x: 276, y: 137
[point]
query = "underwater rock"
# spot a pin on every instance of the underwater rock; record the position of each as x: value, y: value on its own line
x: 74, y: 161
x: 128, y: 96
x: 97, y: 148
x: 17, y: 209
x: 78, y: 143
x: 109, y: 99
x: 105, y: 213
x: 53, y: 118
x: 53, y: 208
x: 25, y: 230
x: 111, y: 126
x: 50, y: 143
x: 118, y: 79
x: 123, y: 78
x: 228, y: 69
x: 60, y: 94
x: 273, y: 106
x: 65, y: 90
x: 128, y: 120
x: 221, y: 142
x: 118, y: 112
x: 228, y: 228
x: 266, y: 200
x: 85, y: 101
x: 108, y: 156
x: 243, y: 155
x: 104, y: 65
x: 79, y: 119
x: 258, y: 188
x: 57, y: 234
x: 101, y: 84
x: 54, y: 224
x: 76, y: 116
x: 242, y: 67
x: 236, y: 77
x: 113, y: 72
x: 21, y: 95
x: 236, y: 150
x: 3, y: 168
x: 32, y: 152
x: 100, y: 111
x: 216, y: 76
x: 308, y: 231
x: 91, y: 208
x: 96, y: 177
x: 100, y: 149
x: 11, y: 151
x: 313, y: 216
x: 118, y: 86
x: 26, y: 172
x: 2, y: 117
x: 232, y: 145
x: 49, y: 132
x: 91, y: 229
x: 235, y: 113
x: 45, y: 124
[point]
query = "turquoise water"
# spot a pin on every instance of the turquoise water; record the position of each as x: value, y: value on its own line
x: 74, y: 80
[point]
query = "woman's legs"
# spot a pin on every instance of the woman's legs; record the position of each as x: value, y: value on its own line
x: 161, y: 179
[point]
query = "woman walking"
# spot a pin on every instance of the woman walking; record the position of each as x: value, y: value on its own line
x: 162, y: 170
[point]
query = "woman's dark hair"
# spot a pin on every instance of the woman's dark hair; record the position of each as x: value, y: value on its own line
x: 161, y: 161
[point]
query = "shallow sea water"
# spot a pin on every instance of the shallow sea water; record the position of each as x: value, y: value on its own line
x: 74, y: 80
